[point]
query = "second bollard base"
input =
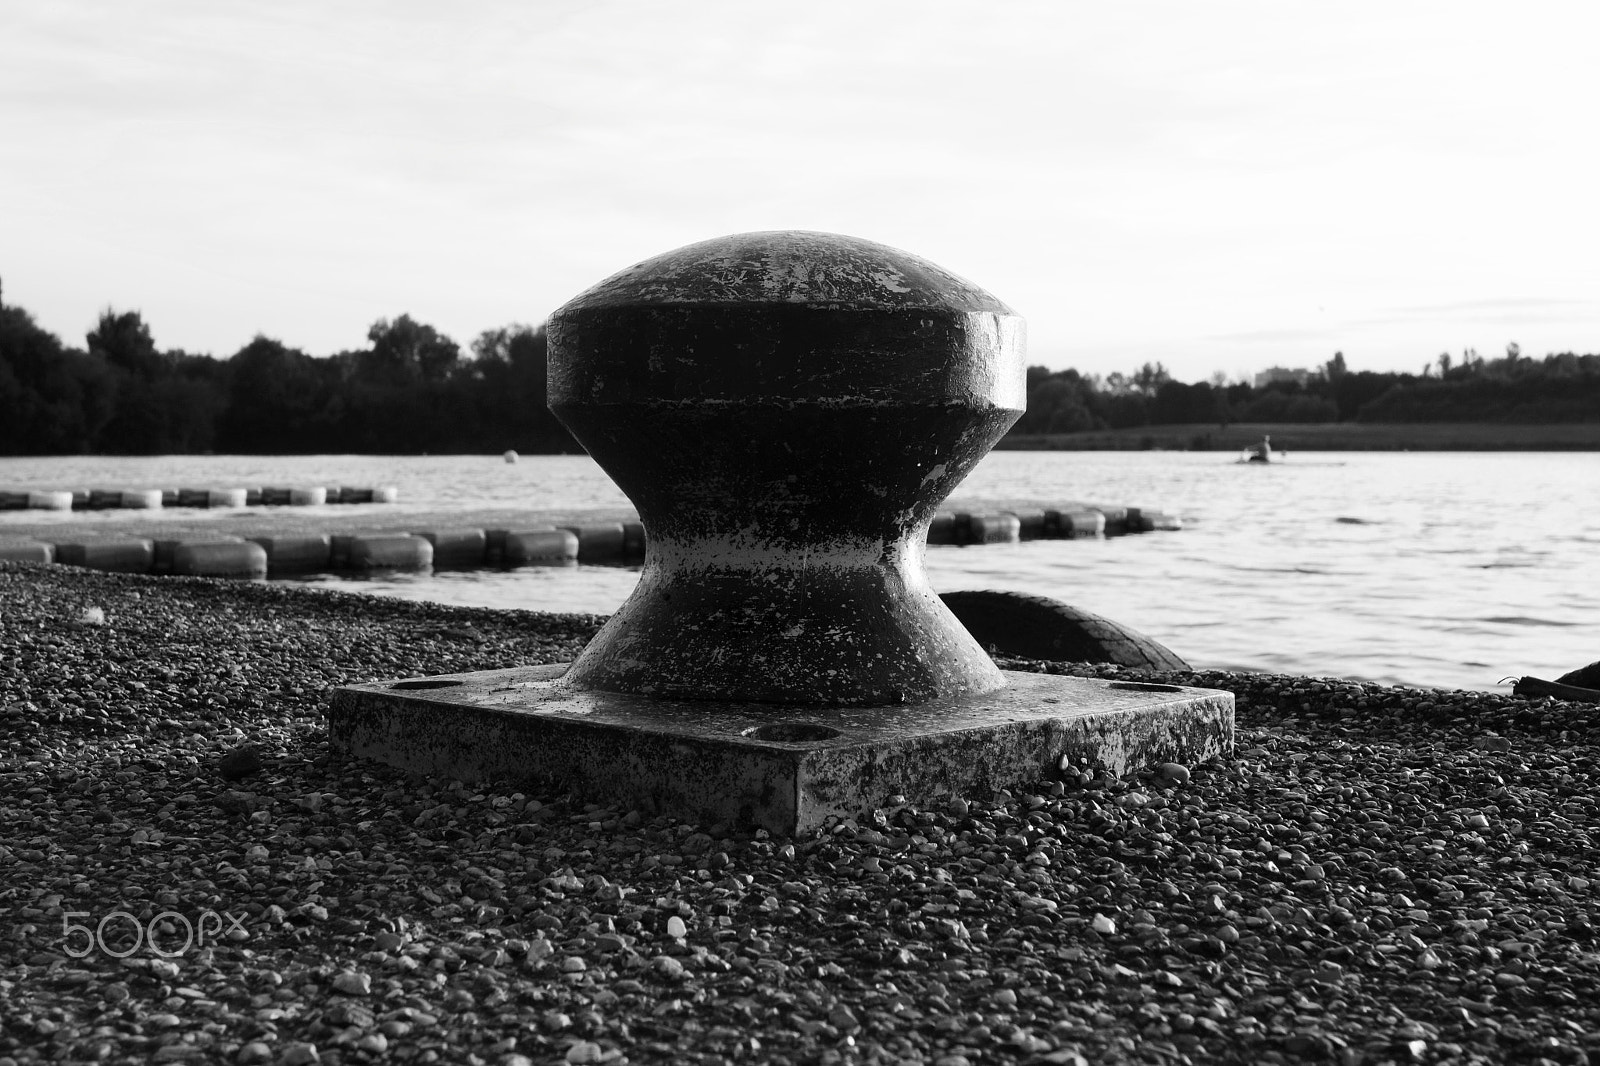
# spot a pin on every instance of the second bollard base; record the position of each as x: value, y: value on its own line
x: 785, y: 769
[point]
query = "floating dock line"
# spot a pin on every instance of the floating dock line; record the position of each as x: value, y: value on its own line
x: 150, y: 499
x: 250, y: 555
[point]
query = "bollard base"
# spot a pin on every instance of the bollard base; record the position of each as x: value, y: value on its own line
x: 786, y: 769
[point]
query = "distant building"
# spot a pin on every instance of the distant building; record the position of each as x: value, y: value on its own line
x: 1278, y: 373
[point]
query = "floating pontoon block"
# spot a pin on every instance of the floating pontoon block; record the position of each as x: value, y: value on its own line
x: 1031, y: 525
x: 1141, y: 520
x: 457, y: 549
x: 351, y: 494
x: 192, y: 498
x: 385, y: 494
x: 229, y: 498
x: 1116, y: 520
x: 1076, y: 523
x: 994, y: 527
x: 220, y: 558
x: 123, y: 555
x: 275, y: 497
x: 166, y: 549
x: 598, y: 542
x: 942, y: 530
x: 252, y: 497
x: 161, y: 554
x: 540, y: 547
x: 301, y: 553
x: 169, y: 497
x: 382, y: 551
x: 19, y: 550
x: 308, y: 496
x: 50, y: 501
x: 13, y: 501
x: 141, y: 500
x: 102, y: 499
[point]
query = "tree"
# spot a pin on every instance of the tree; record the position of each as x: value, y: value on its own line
x: 1335, y: 368
x: 1149, y: 378
x: 53, y: 400
x: 124, y: 341
x: 406, y: 351
x: 276, y: 400
x: 509, y: 366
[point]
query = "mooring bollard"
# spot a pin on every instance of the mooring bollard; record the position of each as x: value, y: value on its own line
x: 786, y: 411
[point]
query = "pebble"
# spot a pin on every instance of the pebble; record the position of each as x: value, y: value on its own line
x: 352, y: 983
x: 1364, y: 857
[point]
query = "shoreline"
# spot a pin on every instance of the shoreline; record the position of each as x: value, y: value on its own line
x: 1317, y: 437
x: 1375, y: 873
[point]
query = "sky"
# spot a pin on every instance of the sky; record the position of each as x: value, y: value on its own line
x: 1219, y: 187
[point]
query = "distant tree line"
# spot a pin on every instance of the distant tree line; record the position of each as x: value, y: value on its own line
x: 1513, y: 388
x: 412, y: 389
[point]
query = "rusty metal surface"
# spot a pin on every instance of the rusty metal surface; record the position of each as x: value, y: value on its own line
x: 784, y: 769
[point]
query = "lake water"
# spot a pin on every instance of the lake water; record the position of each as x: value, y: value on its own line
x: 1451, y: 569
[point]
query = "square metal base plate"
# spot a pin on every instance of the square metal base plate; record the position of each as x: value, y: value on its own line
x: 787, y: 769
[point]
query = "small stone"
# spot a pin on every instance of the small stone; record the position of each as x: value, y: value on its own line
x: 92, y: 616
x: 1175, y: 772
x: 1133, y: 800
x: 300, y: 1055
x: 676, y: 929
x: 234, y: 802
x: 843, y: 1018
x: 239, y: 763
x: 669, y: 967
x: 352, y: 983
x: 387, y: 941
x: 254, y: 1051
x: 1103, y: 925
x: 573, y: 964
x: 584, y: 1052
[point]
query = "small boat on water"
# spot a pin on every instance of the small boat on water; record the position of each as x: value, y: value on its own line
x: 1261, y: 453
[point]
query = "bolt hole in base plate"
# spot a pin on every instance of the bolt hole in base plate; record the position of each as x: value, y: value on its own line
x: 1143, y: 686
x: 427, y: 682
x: 791, y: 732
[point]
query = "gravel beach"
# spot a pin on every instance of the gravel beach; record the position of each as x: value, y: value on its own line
x: 1376, y: 875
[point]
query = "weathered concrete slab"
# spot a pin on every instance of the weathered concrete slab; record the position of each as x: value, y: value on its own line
x: 783, y: 768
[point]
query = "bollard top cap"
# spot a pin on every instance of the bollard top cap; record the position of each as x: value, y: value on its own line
x: 789, y: 267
